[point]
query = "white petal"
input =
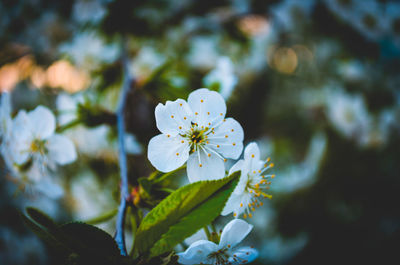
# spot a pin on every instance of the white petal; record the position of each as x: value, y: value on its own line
x: 243, y: 176
x: 43, y: 122
x: 205, y: 167
x: 167, y: 153
x: 234, y: 232
x: 207, y: 107
x: 61, y: 149
x: 229, y: 137
x: 49, y: 188
x: 173, y: 117
x: 252, y: 157
x: 21, y: 138
x: 197, y: 252
x: 232, y: 205
x: 243, y: 255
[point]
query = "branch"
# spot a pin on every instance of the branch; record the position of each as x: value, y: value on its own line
x: 126, y: 85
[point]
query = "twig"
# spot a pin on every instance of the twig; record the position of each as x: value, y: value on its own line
x: 126, y: 85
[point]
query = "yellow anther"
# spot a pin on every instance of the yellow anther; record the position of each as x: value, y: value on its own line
x: 228, y: 245
x: 217, y: 145
x: 234, y: 214
x: 241, y: 204
x: 224, y: 119
x: 180, y: 104
x: 194, y: 141
x: 196, y: 113
x: 182, y: 141
x: 233, y: 144
x: 172, y: 116
x: 168, y: 135
x: 259, y: 171
x: 254, y: 203
x: 244, y: 216
x: 249, y: 204
x: 184, y: 118
x: 271, y: 165
x: 201, y: 101
x: 250, y: 215
x: 209, y: 124
x: 209, y: 155
x: 221, y: 114
x: 252, y: 156
x: 268, y: 159
x: 254, y: 172
x: 180, y: 127
x: 200, y: 165
x: 193, y: 136
x: 208, y: 113
x: 207, y: 142
x: 261, y: 203
x: 232, y: 130
x: 225, y: 159
x: 251, y: 191
x: 177, y: 154
x: 273, y: 176
x: 226, y: 136
x: 257, y: 186
x: 253, y: 209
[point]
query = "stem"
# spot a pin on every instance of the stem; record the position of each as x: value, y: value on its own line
x: 68, y: 125
x: 126, y: 85
x: 207, y: 233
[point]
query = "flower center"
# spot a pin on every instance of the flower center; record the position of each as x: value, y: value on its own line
x: 197, y: 136
x: 220, y: 257
x: 38, y: 146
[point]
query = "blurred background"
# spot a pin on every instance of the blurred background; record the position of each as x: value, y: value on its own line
x: 315, y: 83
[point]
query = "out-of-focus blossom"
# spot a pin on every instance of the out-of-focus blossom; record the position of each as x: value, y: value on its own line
x: 348, y: 114
x: 352, y: 70
x: 252, y: 184
x: 197, y: 132
x: 89, y: 11
x: 33, y: 138
x: 203, y: 52
x: 88, y: 50
x: 222, y: 77
x: 145, y: 62
x: 285, y: 12
x: 226, y: 252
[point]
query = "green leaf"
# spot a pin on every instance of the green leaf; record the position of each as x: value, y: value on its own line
x: 87, y: 239
x: 41, y: 218
x: 177, y: 205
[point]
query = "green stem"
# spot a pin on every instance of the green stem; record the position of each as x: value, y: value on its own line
x: 207, y: 233
x: 68, y: 125
x: 102, y: 218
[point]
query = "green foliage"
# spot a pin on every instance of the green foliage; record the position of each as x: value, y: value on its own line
x: 76, y: 242
x: 181, y: 214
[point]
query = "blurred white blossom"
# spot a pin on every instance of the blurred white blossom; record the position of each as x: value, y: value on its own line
x: 222, y: 77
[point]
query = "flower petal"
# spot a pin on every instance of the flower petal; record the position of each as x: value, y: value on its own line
x: 234, y: 232
x: 21, y: 138
x: 243, y: 176
x: 61, y: 150
x: 49, y: 188
x: 173, y: 117
x: 243, y: 255
x: 208, y: 107
x: 252, y: 157
x: 205, y: 166
x: 232, y: 205
x: 197, y: 252
x: 43, y: 122
x: 167, y: 153
x: 228, y: 138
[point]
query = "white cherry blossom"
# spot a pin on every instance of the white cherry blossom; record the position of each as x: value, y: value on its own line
x: 252, y: 185
x: 197, y: 132
x: 226, y: 252
x: 222, y: 76
x: 33, y: 138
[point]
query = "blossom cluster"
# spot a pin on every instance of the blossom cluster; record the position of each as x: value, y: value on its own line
x: 197, y: 132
